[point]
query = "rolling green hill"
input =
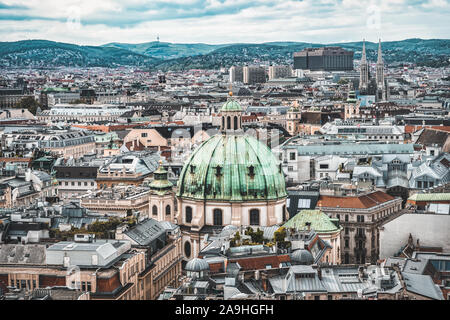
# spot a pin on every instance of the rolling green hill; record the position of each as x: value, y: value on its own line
x: 42, y: 53
x: 174, y: 56
x: 166, y: 50
x: 433, y: 52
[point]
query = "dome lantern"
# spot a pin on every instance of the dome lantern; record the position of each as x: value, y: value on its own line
x: 231, y: 114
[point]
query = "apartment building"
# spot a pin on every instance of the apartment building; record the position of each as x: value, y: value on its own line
x: 74, y: 181
x: 360, y: 216
x: 108, y: 269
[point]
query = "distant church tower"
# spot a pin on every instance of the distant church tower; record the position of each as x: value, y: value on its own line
x: 364, y: 72
x: 293, y: 119
x: 162, y: 198
x: 380, y: 75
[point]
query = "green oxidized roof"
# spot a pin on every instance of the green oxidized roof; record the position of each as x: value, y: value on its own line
x: 55, y: 90
x: 220, y: 170
x: 160, y: 184
x: 430, y: 197
x: 351, y: 97
x: 320, y: 222
x: 44, y: 159
x: 231, y: 105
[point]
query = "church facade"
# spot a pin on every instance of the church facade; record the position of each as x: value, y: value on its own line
x: 231, y: 179
x: 377, y: 86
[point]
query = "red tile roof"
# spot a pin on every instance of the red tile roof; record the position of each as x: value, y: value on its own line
x: 411, y: 129
x: 361, y: 202
x: 15, y: 159
x: 135, y: 145
x: 257, y: 263
x: 216, y: 267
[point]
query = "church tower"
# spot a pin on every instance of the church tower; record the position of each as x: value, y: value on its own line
x: 293, y: 119
x: 364, y: 72
x: 162, y: 197
x: 380, y: 74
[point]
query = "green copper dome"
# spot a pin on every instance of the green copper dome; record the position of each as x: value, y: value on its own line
x: 232, y: 168
x: 231, y: 105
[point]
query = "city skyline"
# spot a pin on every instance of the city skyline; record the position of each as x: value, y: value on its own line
x: 222, y: 22
x: 225, y: 153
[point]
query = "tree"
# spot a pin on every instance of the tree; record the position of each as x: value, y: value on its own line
x: 28, y: 103
x: 104, y: 229
x: 280, y: 234
x: 257, y: 237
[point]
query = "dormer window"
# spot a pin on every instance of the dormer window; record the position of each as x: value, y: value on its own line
x: 218, y: 171
x: 251, y: 171
x: 192, y: 168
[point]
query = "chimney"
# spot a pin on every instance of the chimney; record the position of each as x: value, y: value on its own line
x: 361, y: 272
x: 308, y: 226
x: 410, y: 239
x: 264, y: 282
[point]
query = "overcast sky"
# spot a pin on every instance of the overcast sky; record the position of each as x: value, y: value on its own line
x: 95, y: 22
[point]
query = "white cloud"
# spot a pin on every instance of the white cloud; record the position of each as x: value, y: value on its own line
x: 216, y: 21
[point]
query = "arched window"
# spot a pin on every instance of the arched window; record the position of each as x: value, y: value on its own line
x: 188, y: 214
x: 155, y: 210
x: 235, y: 122
x: 228, y: 122
x: 254, y: 217
x: 223, y: 122
x: 187, y: 249
x: 168, y: 211
x: 217, y: 221
x: 284, y: 213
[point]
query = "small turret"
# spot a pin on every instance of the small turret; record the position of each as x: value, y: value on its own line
x: 231, y: 113
x: 160, y: 184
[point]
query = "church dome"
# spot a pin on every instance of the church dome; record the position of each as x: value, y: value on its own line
x: 231, y: 105
x: 197, y: 265
x: 232, y: 167
x: 302, y: 256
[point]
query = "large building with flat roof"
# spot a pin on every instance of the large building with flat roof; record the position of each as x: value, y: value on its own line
x: 324, y: 59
